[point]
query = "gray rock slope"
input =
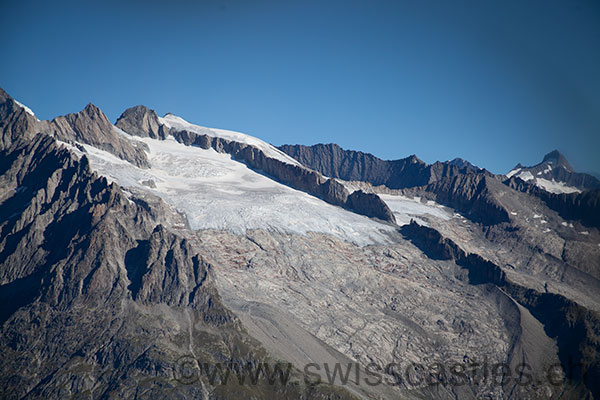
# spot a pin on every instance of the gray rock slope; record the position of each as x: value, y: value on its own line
x: 574, y: 326
x: 89, y: 126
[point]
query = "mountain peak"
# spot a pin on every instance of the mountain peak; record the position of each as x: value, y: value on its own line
x: 462, y: 163
x: 140, y: 121
x: 555, y: 157
x: 94, y: 111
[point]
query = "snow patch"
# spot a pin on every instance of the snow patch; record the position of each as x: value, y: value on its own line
x: 405, y: 209
x: 512, y: 172
x: 555, y: 187
x: 525, y: 175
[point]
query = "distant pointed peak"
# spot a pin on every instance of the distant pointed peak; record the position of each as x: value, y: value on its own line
x: 557, y: 159
x: 462, y: 163
x: 91, y: 106
x: 91, y: 110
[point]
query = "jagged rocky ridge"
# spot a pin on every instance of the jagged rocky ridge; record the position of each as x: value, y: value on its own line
x: 459, y: 185
x: 462, y: 188
x: 333, y: 161
x: 89, y: 126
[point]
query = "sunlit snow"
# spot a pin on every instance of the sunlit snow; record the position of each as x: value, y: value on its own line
x: 512, y: 172
x: 555, y: 187
x: 405, y: 209
x: 173, y: 121
x: 216, y: 192
x: 27, y: 109
x: 525, y: 175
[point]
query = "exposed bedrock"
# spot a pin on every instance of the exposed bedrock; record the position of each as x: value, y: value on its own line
x: 584, y: 206
x: 331, y: 160
x: 575, y: 328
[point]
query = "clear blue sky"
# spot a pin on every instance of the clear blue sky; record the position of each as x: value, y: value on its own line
x: 495, y: 82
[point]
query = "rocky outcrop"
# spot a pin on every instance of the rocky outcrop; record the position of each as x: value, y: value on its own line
x: 371, y: 205
x: 573, y: 326
x: 462, y: 163
x: 141, y: 121
x: 333, y: 161
x: 15, y: 122
x: 558, y: 160
x: 584, y: 207
x: 91, y: 126
x: 474, y: 195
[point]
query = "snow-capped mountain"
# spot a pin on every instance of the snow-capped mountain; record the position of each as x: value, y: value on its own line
x: 129, y: 251
x: 554, y: 174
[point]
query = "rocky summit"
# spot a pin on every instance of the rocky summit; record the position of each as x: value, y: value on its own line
x: 157, y: 258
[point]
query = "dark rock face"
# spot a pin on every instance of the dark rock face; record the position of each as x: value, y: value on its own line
x: 91, y: 126
x: 371, y: 205
x: 331, y: 160
x: 471, y: 194
x: 88, y: 126
x: 574, y: 327
x: 15, y: 122
x: 558, y: 160
x: 584, y: 206
x: 141, y: 121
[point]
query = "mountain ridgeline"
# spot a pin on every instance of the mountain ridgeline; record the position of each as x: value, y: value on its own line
x: 333, y: 161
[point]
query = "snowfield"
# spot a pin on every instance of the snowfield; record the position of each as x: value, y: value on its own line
x: 216, y: 192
